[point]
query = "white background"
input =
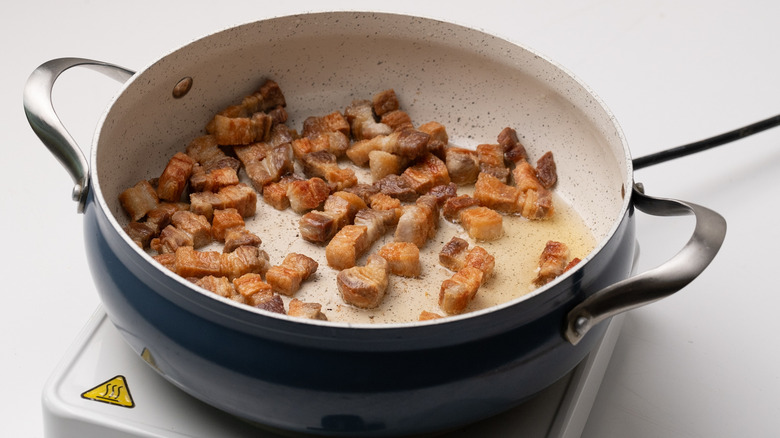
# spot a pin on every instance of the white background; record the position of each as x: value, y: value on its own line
x: 703, y: 363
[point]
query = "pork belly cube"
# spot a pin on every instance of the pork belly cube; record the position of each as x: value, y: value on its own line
x: 307, y: 194
x: 240, y: 196
x: 323, y: 164
x: 344, y: 206
x: 479, y: 258
x: 513, y: 150
x: 265, y: 163
x: 261, y: 125
x: 160, y: 216
x: 524, y: 176
x: 396, y: 186
x: 443, y: 192
x: 436, y: 130
x: 453, y: 207
x: 272, y: 95
x: 416, y: 225
x: 223, y: 221
x: 334, y: 142
x: 139, y: 199
x: 490, y: 192
x: 536, y: 205
x: 281, y: 134
x: 168, y: 260
x: 453, y: 255
x: 301, y: 309
x: 364, y: 191
x: 377, y: 222
x: 140, y: 233
x: 427, y: 316
x: 482, y: 223
x: 411, y: 144
x: 360, y: 116
x: 195, y: 225
x: 381, y: 201
x: 203, y: 180
x: 171, y: 239
x: 318, y: 226
x: 546, y: 170
x: 397, y: 120
x: 491, y: 161
x: 233, y: 130
x: 552, y: 262
x: 205, y: 150
x: 304, y: 146
x: 244, y: 260
x: 173, y: 180
x: 192, y: 263
x: 238, y: 237
x: 218, y: 285
x: 458, y: 291
x: 334, y: 122
x: 403, y: 258
x: 275, y: 193
x: 347, y: 246
x: 383, y: 163
x: 287, y: 277
x: 384, y: 102
x: 252, y: 287
x: 462, y: 165
x: 364, y: 286
x: 273, y: 303
x: 426, y: 174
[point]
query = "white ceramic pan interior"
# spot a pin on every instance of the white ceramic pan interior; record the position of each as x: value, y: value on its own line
x: 473, y: 83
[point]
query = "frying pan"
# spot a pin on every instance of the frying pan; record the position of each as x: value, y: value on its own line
x: 332, y: 378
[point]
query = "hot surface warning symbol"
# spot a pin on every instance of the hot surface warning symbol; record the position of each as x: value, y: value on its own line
x: 113, y: 391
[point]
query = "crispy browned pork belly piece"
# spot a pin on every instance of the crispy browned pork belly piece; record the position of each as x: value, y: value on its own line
x: 347, y: 246
x: 403, y: 258
x: 268, y: 97
x: 396, y: 186
x: 287, y: 277
x: 220, y: 286
x: 228, y: 226
x: 174, y: 177
x: 381, y: 201
x: 365, y: 191
x: 397, y: 120
x: 258, y: 293
x: 186, y: 229
x: 453, y: 254
x: 360, y: 116
x: 419, y: 221
x: 275, y: 193
x: 454, y: 206
x: 305, y: 195
x: 139, y: 199
x: 490, y: 192
x: 443, y: 192
x: 426, y: 173
x: 482, y: 223
x: 534, y: 201
x: 167, y: 260
x: 553, y: 262
x: 384, y: 102
x: 189, y: 262
x: 205, y: 180
x: 377, y: 222
x: 265, y: 163
x: 458, y: 291
x: 384, y: 163
x: 324, y: 164
x: 301, y: 309
x: 462, y: 165
x: 313, y: 126
x: 514, y: 151
x: 491, y: 161
x: 364, y: 286
x: 409, y: 144
x: 339, y: 210
x: 427, y: 316
x: 240, y: 196
x: 546, y: 170
x: 334, y: 142
x: 156, y: 220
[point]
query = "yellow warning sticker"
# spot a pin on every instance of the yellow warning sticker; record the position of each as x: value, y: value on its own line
x: 113, y: 391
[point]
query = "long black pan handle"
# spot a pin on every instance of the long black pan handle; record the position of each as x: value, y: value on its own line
x: 657, y: 283
x: 47, y: 125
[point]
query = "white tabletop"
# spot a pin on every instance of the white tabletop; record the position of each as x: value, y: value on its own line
x: 699, y: 364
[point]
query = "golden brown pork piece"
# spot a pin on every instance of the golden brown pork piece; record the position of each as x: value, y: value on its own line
x: 286, y: 278
x: 482, y: 223
x: 258, y: 293
x: 313, y: 126
x: 189, y: 262
x: 491, y: 161
x: 186, y: 229
x: 156, y: 220
x: 490, y: 192
x: 409, y: 144
x: 462, y: 165
x: 534, y: 201
x: 324, y: 164
x: 240, y: 196
x: 458, y: 291
x: 384, y: 102
x: 377, y: 222
x: 139, y: 199
x: 267, y: 98
x: 381, y: 201
x: 403, y: 258
x: 364, y: 286
x: 454, y: 206
x: 347, y: 246
x: 302, y: 309
x: 419, y: 222
x: 397, y: 120
x: 265, y: 163
x: 220, y: 286
x: 546, y: 170
x: 228, y: 226
x: 360, y: 117
x: 384, y: 163
x: 204, y: 180
x: 339, y: 210
x: 305, y: 195
x: 395, y: 186
x: 427, y: 173
x: 552, y: 263
x: 173, y: 180
x: 453, y: 254
x: 275, y: 193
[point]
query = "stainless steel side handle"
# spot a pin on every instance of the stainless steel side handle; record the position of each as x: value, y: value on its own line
x: 47, y: 125
x: 657, y: 283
